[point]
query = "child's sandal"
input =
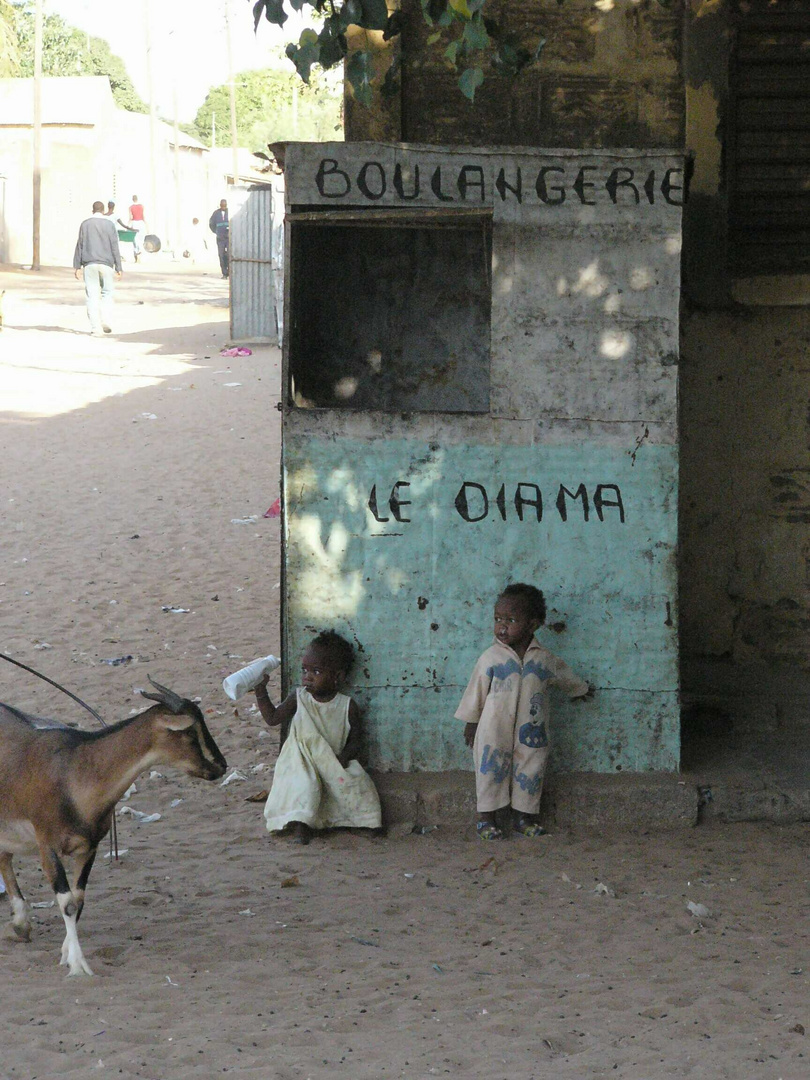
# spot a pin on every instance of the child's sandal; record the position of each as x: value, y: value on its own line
x: 528, y: 828
x: 488, y: 830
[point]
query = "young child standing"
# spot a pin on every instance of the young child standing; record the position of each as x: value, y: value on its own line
x: 505, y: 712
x: 317, y: 782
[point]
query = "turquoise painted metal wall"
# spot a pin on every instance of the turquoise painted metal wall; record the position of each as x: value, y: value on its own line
x: 416, y: 594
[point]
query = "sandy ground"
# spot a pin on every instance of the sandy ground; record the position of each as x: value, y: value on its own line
x: 134, y: 478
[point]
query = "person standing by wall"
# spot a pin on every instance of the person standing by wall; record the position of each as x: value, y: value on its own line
x: 138, y: 225
x: 218, y: 224
x: 98, y: 258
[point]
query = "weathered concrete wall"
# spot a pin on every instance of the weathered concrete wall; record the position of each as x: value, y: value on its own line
x: 745, y: 528
x: 609, y: 75
x: 401, y: 529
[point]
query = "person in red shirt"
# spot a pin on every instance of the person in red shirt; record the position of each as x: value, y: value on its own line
x: 137, y: 224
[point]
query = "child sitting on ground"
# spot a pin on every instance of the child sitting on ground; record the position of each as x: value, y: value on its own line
x: 505, y: 712
x: 317, y: 782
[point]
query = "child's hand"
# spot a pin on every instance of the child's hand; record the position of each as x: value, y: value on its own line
x: 262, y: 684
x: 469, y: 733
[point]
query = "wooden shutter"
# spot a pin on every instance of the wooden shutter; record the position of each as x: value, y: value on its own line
x: 769, y: 138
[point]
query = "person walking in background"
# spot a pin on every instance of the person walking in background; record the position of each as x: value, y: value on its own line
x: 137, y: 224
x: 98, y: 258
x: 218, y: 224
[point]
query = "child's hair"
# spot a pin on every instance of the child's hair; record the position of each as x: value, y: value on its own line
x: 532, y: 599
x: 339, y: 649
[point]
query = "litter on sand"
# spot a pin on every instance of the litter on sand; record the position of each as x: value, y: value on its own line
x: 236, y: 350
x: 259, y: 796
x: 364, y: 941
x: 175, y: 610
x: 121, y: 851
x: 44, y: 904
x: 245, y: 520
x: 235, y: 775
x: 115, y: 661
x: 274, y: 510
x: 700, y: 911
x: 603, y: 890
x: 140, y: 817
x: 247, y: 912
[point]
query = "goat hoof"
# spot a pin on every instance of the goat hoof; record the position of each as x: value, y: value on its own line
x: 22, y: 931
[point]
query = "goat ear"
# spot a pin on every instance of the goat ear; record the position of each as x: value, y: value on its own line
x: 178, y: 723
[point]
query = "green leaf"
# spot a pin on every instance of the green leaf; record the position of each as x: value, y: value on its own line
x: 358, y: 73
x: 332, y: 45
x: 374, y: 16
x: 460, y: 7
x: 469, y: 82
x: 273, y: 11
x: 305, y: 54
x: 475, y: 36
x: 433, y: 10
x: 451, y: 52
x: 351, y: 13
x: 433, y: 38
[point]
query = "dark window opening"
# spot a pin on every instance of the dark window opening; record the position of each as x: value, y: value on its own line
x: 390, y: 311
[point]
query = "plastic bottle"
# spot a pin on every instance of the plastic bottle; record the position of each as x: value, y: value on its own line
x: 248, y: 678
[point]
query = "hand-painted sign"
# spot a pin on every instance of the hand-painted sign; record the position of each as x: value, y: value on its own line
x: 474, y: 502
x: 469, y: 183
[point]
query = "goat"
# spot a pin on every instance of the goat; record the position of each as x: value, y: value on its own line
x: 59, y: 787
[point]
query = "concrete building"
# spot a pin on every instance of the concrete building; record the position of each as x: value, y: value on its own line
x: 92, y: 150
x: 500, y: 405
x: 728, y: 83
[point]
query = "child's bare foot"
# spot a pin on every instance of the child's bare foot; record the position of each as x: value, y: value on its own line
x: 527, y: 824
x: 300, y: 833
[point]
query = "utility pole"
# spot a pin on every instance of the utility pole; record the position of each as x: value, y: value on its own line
x: 150, y: 58
x: 36, y: 204
x: 178, y: 232
x: 232, y: 95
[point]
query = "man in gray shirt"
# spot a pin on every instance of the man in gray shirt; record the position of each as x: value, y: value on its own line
x: 98, y: 258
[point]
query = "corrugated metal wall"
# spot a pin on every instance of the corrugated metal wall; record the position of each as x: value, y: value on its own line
x: 255, y: 257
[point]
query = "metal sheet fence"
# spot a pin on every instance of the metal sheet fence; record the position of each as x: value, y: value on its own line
x: 256, y: 259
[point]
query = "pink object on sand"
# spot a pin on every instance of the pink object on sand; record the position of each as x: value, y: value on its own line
x: 275, y: 509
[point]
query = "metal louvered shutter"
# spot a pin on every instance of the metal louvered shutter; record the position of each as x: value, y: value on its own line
x: 769, y: 144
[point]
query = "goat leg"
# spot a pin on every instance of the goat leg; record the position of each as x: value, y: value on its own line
x: 82, y: 865
x: 55, y: 873
x: 20, y: 920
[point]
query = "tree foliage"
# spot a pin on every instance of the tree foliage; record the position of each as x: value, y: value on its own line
x: 472, y: 42
x: 69, y: 51
x: 271, y: 106
x: 9, y: 50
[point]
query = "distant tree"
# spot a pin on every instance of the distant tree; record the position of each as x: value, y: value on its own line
x: 9, y: 50
x: 69, y: 51
x: 271, y: 105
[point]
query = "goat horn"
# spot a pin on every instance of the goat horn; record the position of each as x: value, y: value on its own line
x: 165, y: 697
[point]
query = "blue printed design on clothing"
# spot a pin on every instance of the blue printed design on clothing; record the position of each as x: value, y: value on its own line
x: 535, y: 704
x: 533, y: 735
x: 495, y: 761
x: 503, y: 671
x: 531, y: 785
x: 534, y: 667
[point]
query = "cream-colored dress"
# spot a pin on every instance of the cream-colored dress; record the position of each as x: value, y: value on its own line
x: 310, y: 784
